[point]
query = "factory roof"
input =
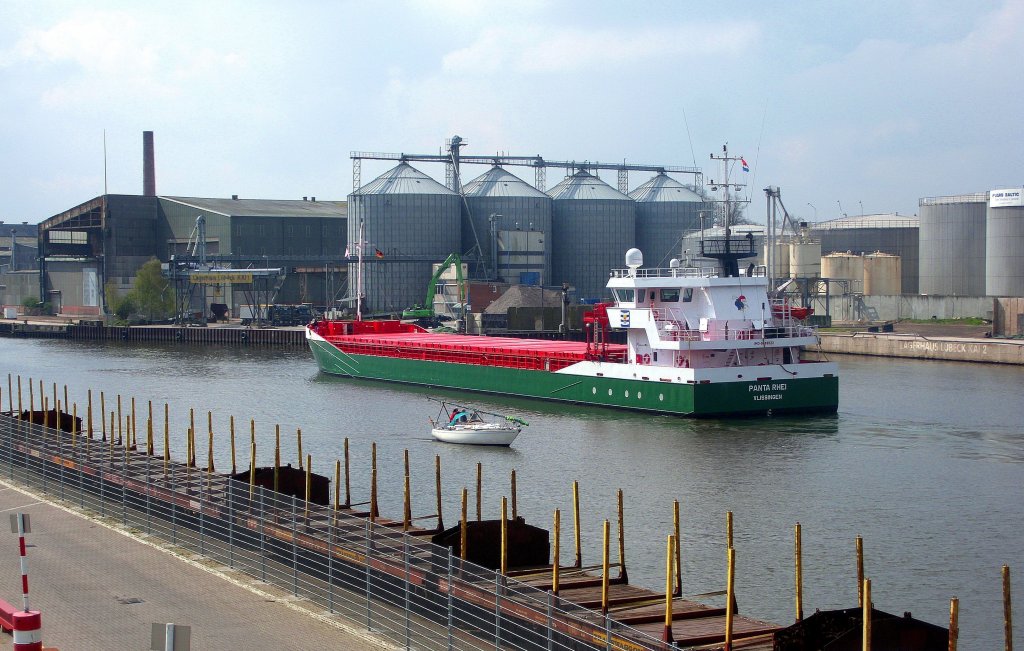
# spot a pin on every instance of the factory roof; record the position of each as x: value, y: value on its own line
x: 583, y: 185
x: 20, y: 230
x: 403, y: 179
x: 499, y: 182
x: 663, y: 188
x: 264, y: 207
x: 885, y: 220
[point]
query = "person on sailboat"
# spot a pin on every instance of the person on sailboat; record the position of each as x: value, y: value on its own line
x: 458, y: 415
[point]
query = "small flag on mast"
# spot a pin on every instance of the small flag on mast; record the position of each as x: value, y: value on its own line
x: 746, y: 168
x: 378, y: 253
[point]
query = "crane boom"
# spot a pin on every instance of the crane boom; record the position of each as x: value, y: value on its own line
x: 426, y: 311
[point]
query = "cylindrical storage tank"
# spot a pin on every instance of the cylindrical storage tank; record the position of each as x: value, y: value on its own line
x: 885, y: 233
x: 882, y: 275
x: 406, y: 215
x: 780, y: 262
x: 592, y: 226
x: 844, y: 266
x: 952, y: 245
x: 804, y: 259
x: 665, y: 211
x: 521, y: 215
x: 1004, y: 260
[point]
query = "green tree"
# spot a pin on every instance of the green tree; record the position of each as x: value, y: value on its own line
x: 152, y: 295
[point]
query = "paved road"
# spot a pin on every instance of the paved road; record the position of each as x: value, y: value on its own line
x: 100, y: 588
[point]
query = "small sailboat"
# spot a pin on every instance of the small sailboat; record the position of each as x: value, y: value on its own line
x: 467, y: 426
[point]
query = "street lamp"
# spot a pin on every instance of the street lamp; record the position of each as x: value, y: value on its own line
x: 861, y: 207
x: 815, y: 211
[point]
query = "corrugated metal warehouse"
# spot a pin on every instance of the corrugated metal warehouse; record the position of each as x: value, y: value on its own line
x: 952, y: 245
x: 865, y: 234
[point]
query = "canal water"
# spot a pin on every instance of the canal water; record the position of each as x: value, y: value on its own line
x: 925, y: 461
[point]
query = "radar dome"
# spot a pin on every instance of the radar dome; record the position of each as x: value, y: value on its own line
x: 634, y: 258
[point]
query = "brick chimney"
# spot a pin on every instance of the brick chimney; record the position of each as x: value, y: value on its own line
x: 148, y: 165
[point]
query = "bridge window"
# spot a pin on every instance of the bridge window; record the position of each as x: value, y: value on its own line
x: 669, y: 295
x: 624, y: 295
x: 688, y: 295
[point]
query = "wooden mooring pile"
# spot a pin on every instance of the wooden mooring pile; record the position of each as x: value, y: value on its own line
x: 598, y: 607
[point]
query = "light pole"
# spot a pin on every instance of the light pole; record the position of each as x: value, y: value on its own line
x: 861, y: 207
x: 815, y: 211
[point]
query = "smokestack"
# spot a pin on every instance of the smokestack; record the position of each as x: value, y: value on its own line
x: 148, y: 165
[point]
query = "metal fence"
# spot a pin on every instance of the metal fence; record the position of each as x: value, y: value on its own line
x: 401, y: 587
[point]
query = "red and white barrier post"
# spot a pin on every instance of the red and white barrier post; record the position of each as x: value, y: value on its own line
x: 28, y: 628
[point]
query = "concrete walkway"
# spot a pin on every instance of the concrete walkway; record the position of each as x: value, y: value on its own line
x: 98, y: 587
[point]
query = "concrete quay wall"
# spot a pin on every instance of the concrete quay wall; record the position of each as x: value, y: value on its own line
x: 918, y: 347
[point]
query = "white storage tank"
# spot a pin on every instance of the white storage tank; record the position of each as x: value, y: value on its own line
x: 780, y: 263
x: 804, y: 259
x: 882, y: 275
x: 844, y: 266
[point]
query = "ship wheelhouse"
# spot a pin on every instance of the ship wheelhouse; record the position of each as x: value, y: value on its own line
x: 692, y: 318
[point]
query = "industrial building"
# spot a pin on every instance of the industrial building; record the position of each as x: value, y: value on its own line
x: 103, y: 242
x: 861, y: 235
x: 507, y: 231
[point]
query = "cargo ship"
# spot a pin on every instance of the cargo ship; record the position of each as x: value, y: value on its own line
x: 699, y: 342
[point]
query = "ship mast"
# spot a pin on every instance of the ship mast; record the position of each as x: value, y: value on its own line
x: 359, y: 273
x: 726, y: 251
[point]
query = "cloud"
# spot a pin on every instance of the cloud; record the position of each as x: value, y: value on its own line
x: 565, y: 50
x: 98, y: 56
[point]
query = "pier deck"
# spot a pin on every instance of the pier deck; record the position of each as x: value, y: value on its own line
x: 368, y: 571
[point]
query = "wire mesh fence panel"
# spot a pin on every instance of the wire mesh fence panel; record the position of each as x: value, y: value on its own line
x: 402, y: 587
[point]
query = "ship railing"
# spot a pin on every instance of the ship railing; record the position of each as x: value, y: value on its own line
x: 407, y: 590
x: 665, y: 272
x: 672, y: 329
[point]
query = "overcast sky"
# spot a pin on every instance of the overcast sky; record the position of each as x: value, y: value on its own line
x: 870, y: 105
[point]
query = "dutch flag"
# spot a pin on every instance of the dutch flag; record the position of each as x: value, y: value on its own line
x: 746, y: 168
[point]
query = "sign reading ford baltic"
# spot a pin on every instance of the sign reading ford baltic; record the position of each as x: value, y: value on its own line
x: 1009, y: 198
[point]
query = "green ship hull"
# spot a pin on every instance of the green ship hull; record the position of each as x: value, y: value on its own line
x: 737, y: 398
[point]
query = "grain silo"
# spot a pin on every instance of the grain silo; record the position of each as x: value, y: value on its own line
x: 409, y: 221
x: 1004, y: 261
x: 592, y: 225
x: 952, y: 254
x: 884, y: 233
x: 665, y: 210
x: 508, y: 222
x: 882, y: 274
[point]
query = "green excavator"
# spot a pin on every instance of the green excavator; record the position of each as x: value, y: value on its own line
x: 426, y: 311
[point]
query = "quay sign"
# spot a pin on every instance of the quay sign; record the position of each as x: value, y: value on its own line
x: 240, y: 278
x: 1008, y: 198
